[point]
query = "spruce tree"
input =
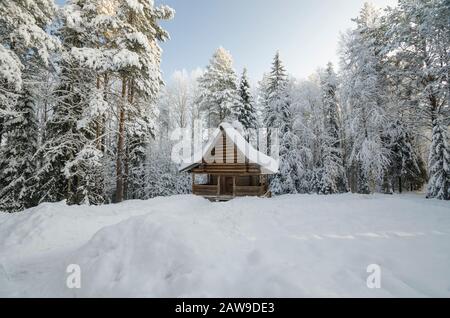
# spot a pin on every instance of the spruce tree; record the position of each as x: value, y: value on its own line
x: 25, y: 48
x: 139, y: 137
x: 136, y: 61
x: 364, y: 89
x: 70, y: 162
x: 277, y: 81
x: 71, y: 167
x: 17, y: 161
x: 439, y: 163
x: 405, y: 166
x: 333, y: 176
x: 417, y: 46
x: 219, y: 94
x: 245, y: 110
x: 287, y: 180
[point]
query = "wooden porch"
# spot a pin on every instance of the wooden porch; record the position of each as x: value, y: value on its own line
x: 226, y: 187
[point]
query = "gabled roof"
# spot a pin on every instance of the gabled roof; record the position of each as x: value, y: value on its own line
x: 267, y: 164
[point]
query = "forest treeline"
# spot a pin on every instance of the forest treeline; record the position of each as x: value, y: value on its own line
x: 85, y: 116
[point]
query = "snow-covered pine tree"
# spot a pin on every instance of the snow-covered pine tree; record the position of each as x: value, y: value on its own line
x: 135, y: 35
x: 162, y: 174
x: 308, y: 126
x: 17, y: 162
x: 364, y: 91
x: 418, y: 41
x: 288, y: 179
x: 245, y: 111
x: 23, y: 26
x: 405, y: 164
x: 11, y: 84
x: 218, y: 91
x: 120, y: 39
x: 25, y: 47
x: 72, y: 161
x: 333, y: 176
x: 71, y: 167
x: 277, y: 81
x: 140, y: 132
x: 262, y: 99
x: 439, y: 161
x: 275, y: 101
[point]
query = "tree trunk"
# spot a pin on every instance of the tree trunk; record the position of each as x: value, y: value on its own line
x: 121, y: 145
x: 400, y: 189
x: 98, y: 129
x: 105, y: 98
x: 126, y: 172
x: 127, y: 150
x: 387, y: 184
x: 1, y: 131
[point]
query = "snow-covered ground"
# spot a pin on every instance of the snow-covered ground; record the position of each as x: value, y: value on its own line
x: 185, y: 246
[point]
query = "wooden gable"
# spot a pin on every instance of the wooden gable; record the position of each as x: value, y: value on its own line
x: 228, y: 150
x: 224, y: 151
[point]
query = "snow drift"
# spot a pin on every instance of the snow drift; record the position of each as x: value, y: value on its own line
x: 185, y: 246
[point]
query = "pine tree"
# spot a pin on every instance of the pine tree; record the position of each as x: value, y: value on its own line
x: 439, y: 161
x: 71, y: 161
x: 245, y: 109
x: 23, y: 33
x: 136, y: 33
x: 25, y: 47
x: 218, y: 89
x: 139, y: 136
x: 262, y: 99
x: 417, y: 47
x: 120, y: 40
x: 17, y: 162
x: 287, y: 180
x: 333, y: 176
x: 277, y: 81
x: 405, y: 167
x: 11, y: 84
x: 364, y: 90
x: 161, y: 177
x: 275, y: 100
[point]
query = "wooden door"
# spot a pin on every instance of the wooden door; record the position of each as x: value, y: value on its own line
x: 228, y: 186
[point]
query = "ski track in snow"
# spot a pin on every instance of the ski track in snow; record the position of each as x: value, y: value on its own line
x: 185, y: 246
x: 382, y: 235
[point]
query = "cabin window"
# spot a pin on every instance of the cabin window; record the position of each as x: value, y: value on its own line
x: 201, y: 179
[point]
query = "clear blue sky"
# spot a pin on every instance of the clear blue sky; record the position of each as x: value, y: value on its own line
x: 305, y: 31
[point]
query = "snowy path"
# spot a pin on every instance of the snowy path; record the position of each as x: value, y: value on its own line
x: 184, y: 246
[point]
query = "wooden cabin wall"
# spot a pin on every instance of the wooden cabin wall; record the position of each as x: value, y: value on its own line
x: 225, y: 152
x: 247, y: 181
x: 240, y: 180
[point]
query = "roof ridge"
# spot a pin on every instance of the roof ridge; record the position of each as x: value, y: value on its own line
x: 268, y: 164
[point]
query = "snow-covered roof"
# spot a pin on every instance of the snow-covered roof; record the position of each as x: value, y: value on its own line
x: 267, y: 164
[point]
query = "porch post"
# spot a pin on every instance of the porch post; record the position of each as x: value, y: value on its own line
x: 218, y: 184
x: 234, y: 186
x: 262, y: 184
